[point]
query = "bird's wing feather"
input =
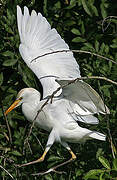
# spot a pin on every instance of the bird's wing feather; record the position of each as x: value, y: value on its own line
x: 37, y: 38
x: 84, y: 99
x: 62, y: 111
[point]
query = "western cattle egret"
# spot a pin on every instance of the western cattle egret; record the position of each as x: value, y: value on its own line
x: 71, y: 104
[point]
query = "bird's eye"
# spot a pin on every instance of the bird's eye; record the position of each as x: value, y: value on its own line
x: 20, y: 98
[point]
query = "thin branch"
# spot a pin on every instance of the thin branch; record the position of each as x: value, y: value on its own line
x: 38, y: 141
x: 30, y: 148
x: 9, y: 130
x: 110, y: 139
x: 100, y: 78
x: 53, y: 169
x: 109, y: 132
x: 105, y: 19
x: 75, y: 51
x: 6, y: 172
x: 7, y: 123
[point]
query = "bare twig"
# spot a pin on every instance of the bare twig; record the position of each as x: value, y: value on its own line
x: 7, y: 123
x: 53, y: 169
x: 6, y: 172
x: 105, y: 19
x: 38, y: 141
x: 110, y: 139
x: 100, y: 78
x: 9, y: 130
x: 109, y: 133
x: 75, y: 51
x: 29, y: 148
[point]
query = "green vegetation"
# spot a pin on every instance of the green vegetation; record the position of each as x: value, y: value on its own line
x: 80, y: 23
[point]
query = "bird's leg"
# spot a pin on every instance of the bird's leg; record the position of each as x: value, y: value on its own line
x: 69, y: 149
x: 50, y: 142
x: 73, y: 155
x: 53, y: 169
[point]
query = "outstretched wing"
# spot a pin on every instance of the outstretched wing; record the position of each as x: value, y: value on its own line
x: 37, y: 38
x: 84, y: 100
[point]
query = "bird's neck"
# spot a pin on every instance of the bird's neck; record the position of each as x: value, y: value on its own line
x: 29, y: 108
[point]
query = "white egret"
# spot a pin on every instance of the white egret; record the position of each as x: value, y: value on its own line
x: 74, y: 103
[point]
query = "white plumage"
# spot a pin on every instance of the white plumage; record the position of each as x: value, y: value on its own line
x: 37, y: 38
x: 75, y: 102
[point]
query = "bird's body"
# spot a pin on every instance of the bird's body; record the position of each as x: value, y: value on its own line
x: 75, y: 102
x: 58, y: 116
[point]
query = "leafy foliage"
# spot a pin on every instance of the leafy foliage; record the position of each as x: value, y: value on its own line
x: 79, y: 22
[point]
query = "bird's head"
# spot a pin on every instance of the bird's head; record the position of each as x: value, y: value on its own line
x: 24, y: 96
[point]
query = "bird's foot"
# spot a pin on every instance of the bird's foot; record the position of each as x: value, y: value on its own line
x: 32, y: 162
x: 73, y: 155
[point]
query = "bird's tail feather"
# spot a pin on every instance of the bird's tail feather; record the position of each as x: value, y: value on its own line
x: 97, y: 135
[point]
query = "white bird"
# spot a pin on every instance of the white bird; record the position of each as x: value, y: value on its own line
x: 71, y: 104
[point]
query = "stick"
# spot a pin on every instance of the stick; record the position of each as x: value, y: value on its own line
x: 75, y: 51
x: 53, y: 169
x: 6, y: 172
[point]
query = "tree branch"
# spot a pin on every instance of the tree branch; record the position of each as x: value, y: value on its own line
x: 53, y: 169
x: 105, y: 19
x: 75, y: 51
x: 6, y: 172
x: 7, y: 123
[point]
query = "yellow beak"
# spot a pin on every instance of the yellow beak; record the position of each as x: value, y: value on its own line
x: 12, y: 106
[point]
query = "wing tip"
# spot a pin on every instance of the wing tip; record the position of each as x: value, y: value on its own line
x: 18, y: 9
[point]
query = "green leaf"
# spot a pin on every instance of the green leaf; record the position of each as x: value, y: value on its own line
x: 69, y: 23
x: 16, y: 153
x: 9, y: 14
x: 101, y: 176
x: 48, y: 177
x: 1, y: 113
x: 78, y: 39
x: 1, y: 78
x: 86, y: 8
x: 1, y: 136
x: 102, y: 47
x: 75, y: 31
x: 103, y: 10
x: 72, y: 4
x: 105, y: 88
x: 89, y: 45
x: 8, y: 54
x: 10, y: 62
x: 45, y: 7
x: 94, y: 9
x: 54, y: 158
x: 99, y: 152
x: 115, y: 164
x: 82, y: 28
x: 114, y: 46
x: 106, y: 49
x: 104, y: 162
x: 97, y: 46
x: 92, y: 173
